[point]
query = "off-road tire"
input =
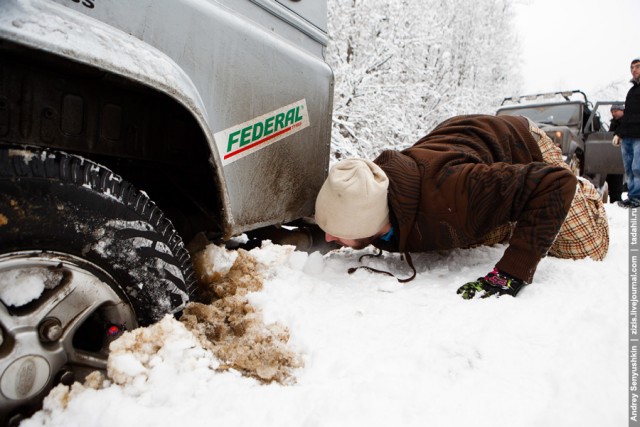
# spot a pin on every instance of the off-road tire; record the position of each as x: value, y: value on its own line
x: 52, y: 201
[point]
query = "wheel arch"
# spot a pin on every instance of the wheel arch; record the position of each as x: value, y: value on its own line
x: 92, y: 43
x: 89, y: 44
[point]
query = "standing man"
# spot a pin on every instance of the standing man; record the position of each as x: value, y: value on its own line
x: 617, y: 112
x: 628, y: 133
x: 472, y: 180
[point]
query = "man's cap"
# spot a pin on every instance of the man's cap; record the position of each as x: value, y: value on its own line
x: 617, y: 107
x: 352, y: 203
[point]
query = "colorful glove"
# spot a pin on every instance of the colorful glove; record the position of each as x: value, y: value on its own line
x: 616, y: 140
x: 494, y: 283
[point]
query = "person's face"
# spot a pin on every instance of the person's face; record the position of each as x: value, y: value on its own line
x: 617, y: 114
x: 635, y: 70
x: 352, y: 243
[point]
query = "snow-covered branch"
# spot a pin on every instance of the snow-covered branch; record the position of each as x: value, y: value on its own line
x: 402, y: 66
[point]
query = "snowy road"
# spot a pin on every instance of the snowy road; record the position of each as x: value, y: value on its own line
x: 377, y: 353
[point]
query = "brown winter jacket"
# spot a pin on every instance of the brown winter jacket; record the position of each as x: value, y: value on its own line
x: 470, y: 175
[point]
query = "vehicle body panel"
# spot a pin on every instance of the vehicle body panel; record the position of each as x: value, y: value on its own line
x: 601, y: 157
x: 227, y: 62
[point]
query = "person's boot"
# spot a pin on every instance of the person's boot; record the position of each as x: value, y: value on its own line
x: 629, y: 203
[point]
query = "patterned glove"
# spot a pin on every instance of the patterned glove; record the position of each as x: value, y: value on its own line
x: 495, y: 283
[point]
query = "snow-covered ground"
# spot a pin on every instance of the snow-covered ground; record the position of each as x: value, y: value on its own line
x: 378, y: 353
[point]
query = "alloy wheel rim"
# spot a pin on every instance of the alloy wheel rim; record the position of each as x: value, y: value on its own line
x: 45, y: 341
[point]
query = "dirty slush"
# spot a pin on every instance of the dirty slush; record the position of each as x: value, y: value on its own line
x: 227, y: 324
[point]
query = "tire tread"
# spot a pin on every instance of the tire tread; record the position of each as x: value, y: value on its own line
x: 72, y: 169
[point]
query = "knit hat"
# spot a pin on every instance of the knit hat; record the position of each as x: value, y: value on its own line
x: 617, y: 107
x: 352, y: 203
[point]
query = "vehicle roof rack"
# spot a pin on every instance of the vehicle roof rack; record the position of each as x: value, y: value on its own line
x: 566, y: 94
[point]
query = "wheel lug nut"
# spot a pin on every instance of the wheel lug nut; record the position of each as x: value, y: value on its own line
x: 67, y: 377
x: 50, y: 330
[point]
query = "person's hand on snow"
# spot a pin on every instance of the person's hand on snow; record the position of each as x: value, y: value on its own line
x: 616, y: 140
x: 495, y: 283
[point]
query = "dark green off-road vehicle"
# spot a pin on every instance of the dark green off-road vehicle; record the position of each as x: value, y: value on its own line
x: 579, y: 128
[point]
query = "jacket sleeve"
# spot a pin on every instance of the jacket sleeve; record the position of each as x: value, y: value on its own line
x: 537, y: 196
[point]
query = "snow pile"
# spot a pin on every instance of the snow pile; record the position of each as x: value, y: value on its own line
x: 140, y: 360
x: 134, y: 356
x: 227, y: 324
x: 21, y: 286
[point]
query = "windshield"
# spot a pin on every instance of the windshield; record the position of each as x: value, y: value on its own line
x: 559, y: 115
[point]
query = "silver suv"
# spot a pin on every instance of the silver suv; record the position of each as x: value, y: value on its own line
x: 126, y: 129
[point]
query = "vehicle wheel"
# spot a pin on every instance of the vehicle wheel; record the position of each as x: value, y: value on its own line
x: 83, y: 256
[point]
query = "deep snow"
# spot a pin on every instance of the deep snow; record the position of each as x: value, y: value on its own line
x: 378, y: 353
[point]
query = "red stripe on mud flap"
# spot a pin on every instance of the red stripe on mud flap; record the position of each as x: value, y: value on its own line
x: 262, y: 141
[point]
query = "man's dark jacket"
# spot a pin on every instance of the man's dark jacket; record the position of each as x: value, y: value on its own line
x: 630, y: 122
x: 470, y: 175
x: 614, y: 125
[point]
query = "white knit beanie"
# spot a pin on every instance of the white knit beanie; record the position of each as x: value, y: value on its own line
x: 352, y: 203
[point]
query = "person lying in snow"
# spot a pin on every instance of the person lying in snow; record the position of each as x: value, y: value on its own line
x: 473, y: 180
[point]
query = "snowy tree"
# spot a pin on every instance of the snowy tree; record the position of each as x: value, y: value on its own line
x: 402, y: 66
x: 613, y: 91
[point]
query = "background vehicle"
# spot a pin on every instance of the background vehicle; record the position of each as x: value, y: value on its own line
x: 579, y: 128
x: 126, y: 129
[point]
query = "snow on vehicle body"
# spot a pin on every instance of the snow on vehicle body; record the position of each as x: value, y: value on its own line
x: 219, y: 110
x: 576, y: 127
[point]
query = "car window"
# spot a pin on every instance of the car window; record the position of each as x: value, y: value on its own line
x: 559, y: 115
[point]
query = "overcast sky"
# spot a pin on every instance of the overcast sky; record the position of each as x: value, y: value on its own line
x: 577, y: 44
